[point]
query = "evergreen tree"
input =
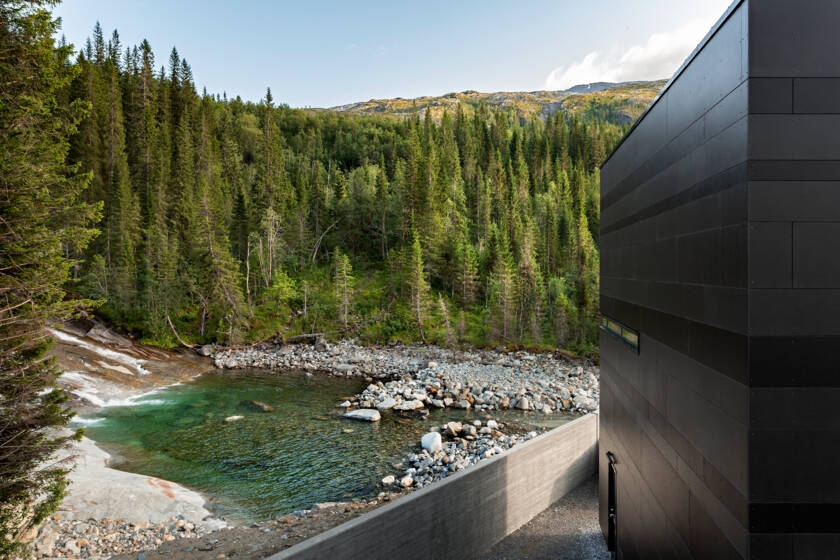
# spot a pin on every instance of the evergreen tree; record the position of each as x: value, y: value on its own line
x: 467, y: 272
x: 417, y: 286
x: 41, y: 220
x: 343, y: 281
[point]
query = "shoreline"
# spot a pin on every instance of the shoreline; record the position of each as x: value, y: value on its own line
x: 408, y: 379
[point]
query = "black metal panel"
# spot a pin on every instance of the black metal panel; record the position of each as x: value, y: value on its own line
x: 795, y: 201
x: 771, y: 255
x: 771, y: 95
x: 816, y: 95
x: 786, y: 361
x: 795, y: 312
x: 794, y: 39
x: 794, y: 137
x: 816, y: 255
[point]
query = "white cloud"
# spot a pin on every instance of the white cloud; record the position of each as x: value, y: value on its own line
x: 659, y: 58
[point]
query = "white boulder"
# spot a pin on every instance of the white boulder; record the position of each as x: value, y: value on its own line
x: 364, y: 414
x: 432, y: 442
x: 409, y: 405
x: 386, y: 404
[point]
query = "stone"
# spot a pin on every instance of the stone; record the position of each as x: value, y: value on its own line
x: 406, y: 481
x: 325, y: 505
x: 453, y: 428
x: 388, y: 480
x: 469, y: 430
x: 448, y: 401
x: 364, y: 414
x: 437, y: 403
x: 409, y: 405
x: 257, y: 406
x: 386, y: 404
x: 432, y: 365
x: 492, y: 424
x: 345, y: 404
x: 463, y: 404
x: 432, y: 442
x: 46, y: 541
x: 233, y: 418
x: 344, y: 368
x: 206, y: 350
x: 523, y: 404
x: 321, y: 344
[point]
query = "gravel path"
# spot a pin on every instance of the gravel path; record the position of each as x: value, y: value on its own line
x: 568, y: 530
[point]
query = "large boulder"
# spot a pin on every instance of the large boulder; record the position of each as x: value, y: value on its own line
x: 409, y: 405
x: 364, y: 414
x: 524, y: 404
x: 386, y: 404
x: 432, y: 442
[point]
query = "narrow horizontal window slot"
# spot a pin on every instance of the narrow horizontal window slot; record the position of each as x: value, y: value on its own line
x: 630, y: 337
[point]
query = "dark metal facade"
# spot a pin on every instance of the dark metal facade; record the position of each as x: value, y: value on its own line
x: 720, y: 245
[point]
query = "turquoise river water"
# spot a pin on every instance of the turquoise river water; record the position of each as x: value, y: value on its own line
x: 267, y: 463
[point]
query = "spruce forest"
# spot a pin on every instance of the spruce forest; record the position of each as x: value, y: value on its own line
x: 232, y: 221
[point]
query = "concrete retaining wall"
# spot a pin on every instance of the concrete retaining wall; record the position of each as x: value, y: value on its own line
x: 470, y: 511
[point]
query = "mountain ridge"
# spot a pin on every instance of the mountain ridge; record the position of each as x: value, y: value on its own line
x: 621, y: 103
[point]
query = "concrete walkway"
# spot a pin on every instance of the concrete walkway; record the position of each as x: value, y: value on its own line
x: 568, y: 530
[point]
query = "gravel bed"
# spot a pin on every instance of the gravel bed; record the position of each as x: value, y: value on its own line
x: 416, y: 377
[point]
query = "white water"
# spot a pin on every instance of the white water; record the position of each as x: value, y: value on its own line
x: 89, y: 388
x: 136, y: 400
x: 112, y: 355
x: 86, y: 421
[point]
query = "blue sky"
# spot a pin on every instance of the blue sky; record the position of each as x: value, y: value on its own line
x: 320, y: 53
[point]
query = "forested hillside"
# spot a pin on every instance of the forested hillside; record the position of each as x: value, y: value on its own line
x: 229, y: 220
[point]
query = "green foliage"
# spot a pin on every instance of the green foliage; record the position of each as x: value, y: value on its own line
x: 343, y: 285
x: 43, y: 225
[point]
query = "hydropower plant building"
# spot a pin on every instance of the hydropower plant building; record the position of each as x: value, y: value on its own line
x: 720, y: 295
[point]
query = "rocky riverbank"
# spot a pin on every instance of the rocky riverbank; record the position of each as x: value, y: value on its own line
x: 453, y: 447
x: 117, y: 539
x: 409, y: 378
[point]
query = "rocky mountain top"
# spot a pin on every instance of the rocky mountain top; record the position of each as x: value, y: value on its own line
x: 622, y: 103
